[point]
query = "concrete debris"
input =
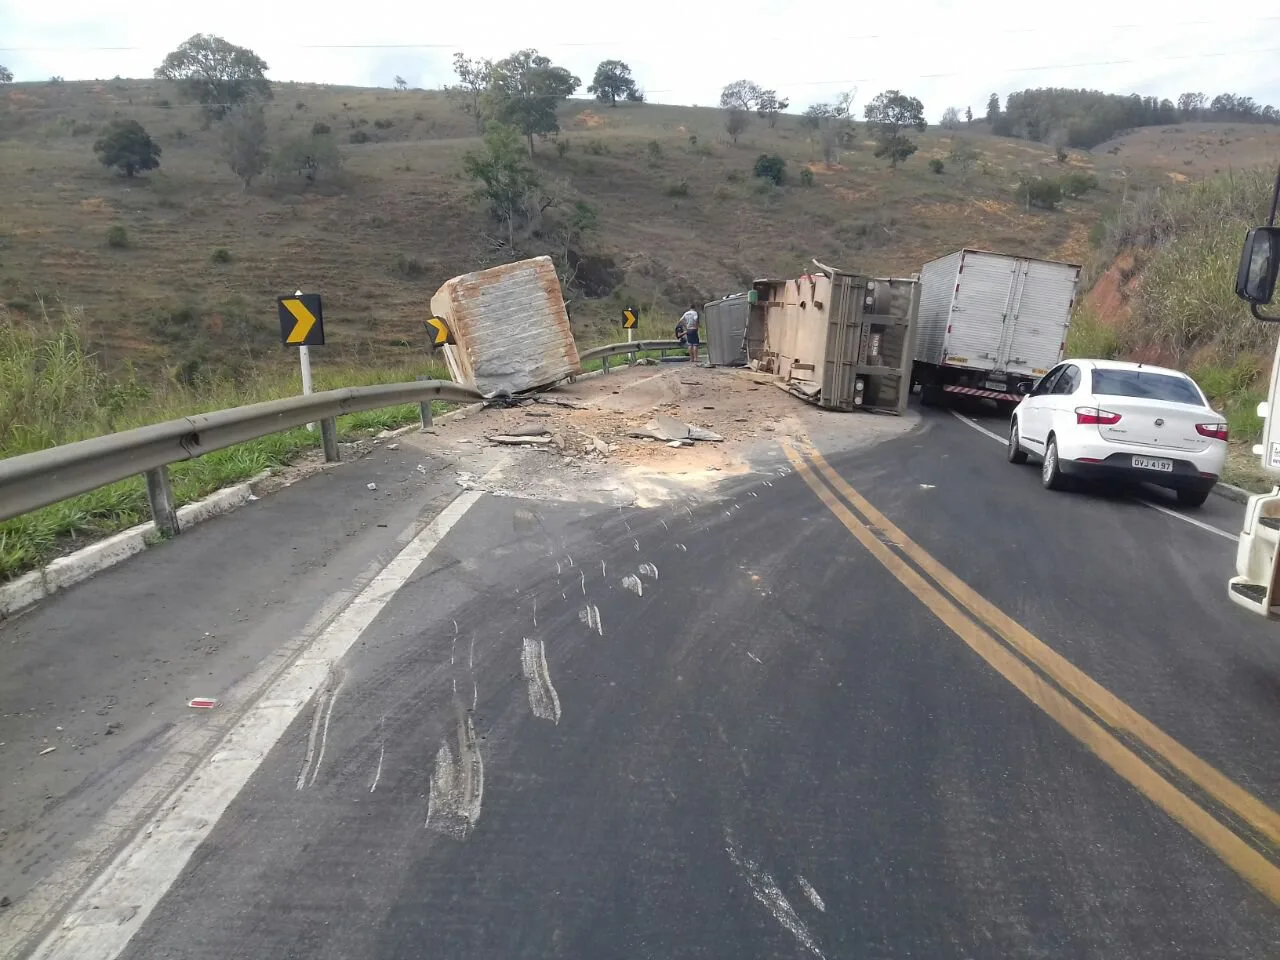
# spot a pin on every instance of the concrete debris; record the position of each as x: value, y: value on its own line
x: 537, y: 413
x: 669, y: 428
x: 680, y: 443
x: 393, y: 446
x: 519, y: 440
x: 371, y: 486
x: 47, y: 750
x: 698, y: 433
x: 467, y: 481
x: 600, y: 446
x: 533, y: 430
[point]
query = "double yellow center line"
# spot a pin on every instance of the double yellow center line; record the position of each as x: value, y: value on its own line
x: 1106, y: 725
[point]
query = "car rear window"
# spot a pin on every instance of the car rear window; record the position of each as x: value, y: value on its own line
x: 1146, y: 385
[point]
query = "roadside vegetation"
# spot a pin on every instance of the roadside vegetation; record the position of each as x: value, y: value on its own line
x: 53, y: 390
x: 1173, y: 254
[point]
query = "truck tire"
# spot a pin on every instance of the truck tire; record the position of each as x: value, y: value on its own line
x: 1050, y: 472
x: 931, y: 395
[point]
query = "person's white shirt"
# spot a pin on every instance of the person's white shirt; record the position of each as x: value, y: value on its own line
x: 690, y: 319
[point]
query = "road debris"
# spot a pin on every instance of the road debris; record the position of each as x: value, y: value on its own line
x: 393, y: 446
x: 371, y: 486
x: 47, y: 750
x: 202, y: 703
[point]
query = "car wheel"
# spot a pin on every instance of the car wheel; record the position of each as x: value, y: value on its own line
x: 1192, y: 497
x: 1014, y: 450
x: 1050, y: 470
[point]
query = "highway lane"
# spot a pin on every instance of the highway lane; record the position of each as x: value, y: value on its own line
x: 774, y: 747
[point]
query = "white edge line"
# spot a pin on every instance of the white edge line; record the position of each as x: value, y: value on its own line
x: 145, y: 869
x: 1146, y: 503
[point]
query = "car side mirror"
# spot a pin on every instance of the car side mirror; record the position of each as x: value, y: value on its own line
x: 1024, y: 388
x: 1259, y: 263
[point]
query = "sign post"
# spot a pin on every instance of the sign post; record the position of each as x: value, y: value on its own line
x: 302, y: 326
x: 629, y: 320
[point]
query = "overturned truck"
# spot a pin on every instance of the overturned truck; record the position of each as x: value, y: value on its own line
x: 835, y: 338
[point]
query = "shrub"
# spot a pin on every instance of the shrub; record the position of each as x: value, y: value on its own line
x: 384, y: 124
x: 320, y: 128
x: 221, y: 255
x: 806, y: 177
x: 936, y: 165
x: 117, y: 237
x: 1077, y: 183
x: 597, y: 148
x: 678, y: 188
x: 359, y: 136
x: 409, y: 267
x: 1041, y: 193
x: 734, y: 176
x: 654, y: 149
x: 562, y: 148
x: 771, y: 167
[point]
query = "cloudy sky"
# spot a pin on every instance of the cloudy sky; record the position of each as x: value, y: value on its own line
x: 945, y: 53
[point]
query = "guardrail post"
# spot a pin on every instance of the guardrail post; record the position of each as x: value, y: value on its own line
x: 604, y: 364
x: 160, y: 498
x: 424, y: 406
x: 329, y: 437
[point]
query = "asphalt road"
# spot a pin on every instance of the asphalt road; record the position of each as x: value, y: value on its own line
x: 790, y: 721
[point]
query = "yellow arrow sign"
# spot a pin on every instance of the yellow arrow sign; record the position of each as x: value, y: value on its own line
x: 301, y: 320
x: 439, y: 331
x: 628, y: 318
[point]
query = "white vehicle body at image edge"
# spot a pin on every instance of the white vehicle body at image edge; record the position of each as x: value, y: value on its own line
x: 1086, y: 408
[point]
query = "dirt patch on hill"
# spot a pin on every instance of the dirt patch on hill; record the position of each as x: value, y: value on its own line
x: 1109, y: 298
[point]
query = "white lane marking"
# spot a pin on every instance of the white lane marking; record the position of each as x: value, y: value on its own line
x: 147, y: 867
x: 979, y: 427
x: 1146, y: 503
x: 811, y: 893
x: 634, y: 584
x: 1191, y: 520
x: 648, y: 570
x: 324, y: 732
x: 767, y: 891
x: 543, y: 699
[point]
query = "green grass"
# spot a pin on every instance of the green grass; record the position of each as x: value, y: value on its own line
x: 52, y: 391
x: 1089, y: 336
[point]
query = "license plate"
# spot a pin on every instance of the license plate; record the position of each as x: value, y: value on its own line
x: 1151, y: 463
x: 995, y: 385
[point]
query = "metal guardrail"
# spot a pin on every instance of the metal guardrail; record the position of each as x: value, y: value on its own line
x: 33, y: 480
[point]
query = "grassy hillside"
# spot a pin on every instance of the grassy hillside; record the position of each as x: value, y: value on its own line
x: 679, y: 216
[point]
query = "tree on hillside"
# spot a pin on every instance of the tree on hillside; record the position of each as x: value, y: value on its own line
x: 742, y: 94
x: 963, y: 157
x: 834, y: 123
x: 736, y: 120
x: 473, y: 81
x: 401, y: 83
x: 504, y: 180
x: 1190, y: 104
x: 635, y: 95
x: 524, y: 91
x: 950, y: 119
x: 968, y: 116
x: 769, y: 105
x: 889, y: 114
x: 309, y: 157
x: 6, y: 75
x: 127, y: 146
x: 244, y: 142
x: 612, y: 80
x: 993, y: 108
x: 216, y: 74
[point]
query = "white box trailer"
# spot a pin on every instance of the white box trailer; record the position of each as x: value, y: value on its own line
x: 990, y: 322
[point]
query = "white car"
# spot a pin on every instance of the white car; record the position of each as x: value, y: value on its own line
x: 1107, y: 419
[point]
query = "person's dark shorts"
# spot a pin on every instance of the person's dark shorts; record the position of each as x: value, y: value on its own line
x: 691, y: 338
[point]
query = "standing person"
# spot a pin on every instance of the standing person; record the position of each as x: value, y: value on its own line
x: 691, y: 322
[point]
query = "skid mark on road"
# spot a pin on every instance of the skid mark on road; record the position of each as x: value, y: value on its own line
x: 318, y: 735
x: 457, y: 785
x: 766, y: 890
x: 811, y: 893
x: 543, y: 699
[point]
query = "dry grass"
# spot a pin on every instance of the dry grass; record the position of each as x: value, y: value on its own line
x: 165, y: 303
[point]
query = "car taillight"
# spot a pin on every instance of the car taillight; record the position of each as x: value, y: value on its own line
x: 1096, y: 415
x: 1214, y: 431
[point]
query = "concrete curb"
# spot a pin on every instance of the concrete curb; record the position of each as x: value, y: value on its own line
x: 30, y: 588
x: 1232, y: 492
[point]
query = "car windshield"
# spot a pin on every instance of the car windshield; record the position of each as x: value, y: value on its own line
x: 1146, y: 385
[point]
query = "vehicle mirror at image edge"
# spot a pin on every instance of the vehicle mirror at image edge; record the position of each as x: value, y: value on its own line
x: 1259, y: 262
x: 1024, y: 388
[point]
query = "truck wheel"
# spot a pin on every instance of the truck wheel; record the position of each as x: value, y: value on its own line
x: 1050, y: 470
x: 931, y: 395
x: 1015, y: 452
